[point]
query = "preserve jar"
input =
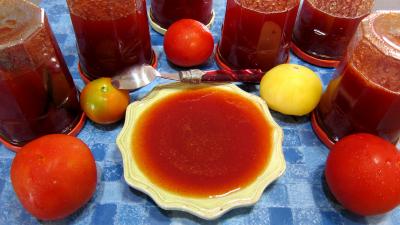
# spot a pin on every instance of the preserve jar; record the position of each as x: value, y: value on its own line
x: 256, y: 34
x: 38, y: 95
x: 365, y: 94
x: 163, y: 13
x: 111, y: 35
x: 324, y: 29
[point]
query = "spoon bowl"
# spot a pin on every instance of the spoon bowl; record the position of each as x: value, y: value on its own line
x: 135, y: 77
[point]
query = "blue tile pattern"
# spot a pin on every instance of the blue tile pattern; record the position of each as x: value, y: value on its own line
x: 281, y: 216
x: 102, y: 214
x: 299, y: 197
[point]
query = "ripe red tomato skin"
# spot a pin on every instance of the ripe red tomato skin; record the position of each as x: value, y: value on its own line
x: 53, y: 176
x: 363, y: 173
x: 188, y: 43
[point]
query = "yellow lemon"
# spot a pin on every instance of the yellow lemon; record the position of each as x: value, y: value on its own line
x: 291, y: 89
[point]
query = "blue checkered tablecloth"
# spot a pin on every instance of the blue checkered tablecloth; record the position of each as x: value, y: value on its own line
x: 300, y: 196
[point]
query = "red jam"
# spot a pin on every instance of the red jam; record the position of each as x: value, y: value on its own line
x: 111, y: 35
x: 257, y: 34
x: 365, y: 94
x: 166, y: 12
x: 202, y: 142
x: 324, y: 29
x: 37, y: 93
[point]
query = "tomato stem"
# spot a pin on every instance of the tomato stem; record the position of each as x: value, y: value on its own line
x: 104, y: 89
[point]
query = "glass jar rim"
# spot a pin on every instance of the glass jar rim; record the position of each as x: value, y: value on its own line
x: 364, y: 13
x: 16, y: 29
x: 294, y: 3
x: 382, y: 32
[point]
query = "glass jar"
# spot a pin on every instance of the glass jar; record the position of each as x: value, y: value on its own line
x: 163, y: 13
x: 256, y: 34
x: 365, y: 94
x: 324, y: 29
x: 111, y: 35
x: 38, y: 95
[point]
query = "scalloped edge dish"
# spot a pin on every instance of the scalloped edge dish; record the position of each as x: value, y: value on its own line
x: 206, y: 208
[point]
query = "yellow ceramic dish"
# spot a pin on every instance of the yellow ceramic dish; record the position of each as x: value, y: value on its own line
x: 206, y: 208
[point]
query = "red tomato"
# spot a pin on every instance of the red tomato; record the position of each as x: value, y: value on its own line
x: 103, y: 103
x: 188, y: 43
x: 53, y: 176
x: 363, y: 173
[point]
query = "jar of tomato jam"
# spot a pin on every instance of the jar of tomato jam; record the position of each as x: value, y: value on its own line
x: 37, y: 92
x: 256, y: 34
x: 324, y: 29
x: 365, y: 94
x: 111, y: 35
x: 163, y: 13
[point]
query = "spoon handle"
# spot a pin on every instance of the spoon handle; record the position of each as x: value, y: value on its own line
x: 247, y: 76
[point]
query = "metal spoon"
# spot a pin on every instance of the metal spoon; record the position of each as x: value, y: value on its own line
x: 142, y: 75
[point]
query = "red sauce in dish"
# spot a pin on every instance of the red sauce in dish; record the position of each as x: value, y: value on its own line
x: 202, y: 142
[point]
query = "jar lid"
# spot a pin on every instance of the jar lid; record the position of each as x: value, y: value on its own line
x: 18, y: 20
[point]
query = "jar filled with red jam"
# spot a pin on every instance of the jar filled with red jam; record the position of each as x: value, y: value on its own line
x: 324, y: 29
x: 37, y: 93
x: 163, y: 13
x: 256, y: 34
x: 111, y: 35
x: 365, y: 94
